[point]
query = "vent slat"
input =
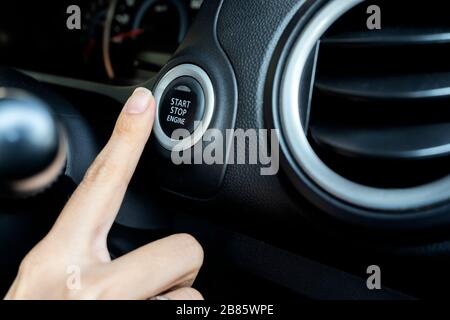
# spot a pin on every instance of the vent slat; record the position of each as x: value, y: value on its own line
x: 405, y: 86
x: 406, y: 143
x: 390, y: 37
x: 381, y: 100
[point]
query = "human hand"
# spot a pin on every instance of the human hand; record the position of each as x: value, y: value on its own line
x: 73, y: 262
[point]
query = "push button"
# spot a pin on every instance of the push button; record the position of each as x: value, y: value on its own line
x: 182, y: 105
x: 185, y: 98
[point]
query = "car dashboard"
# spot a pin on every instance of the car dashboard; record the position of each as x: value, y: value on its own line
x: 358, y: 117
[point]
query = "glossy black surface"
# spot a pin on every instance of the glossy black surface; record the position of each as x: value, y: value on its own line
x: 29, y: 135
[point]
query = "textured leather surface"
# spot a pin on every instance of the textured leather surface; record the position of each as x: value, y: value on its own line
x: 249, y: 32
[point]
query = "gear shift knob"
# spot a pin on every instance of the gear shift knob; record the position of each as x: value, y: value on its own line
x: 32, y: 150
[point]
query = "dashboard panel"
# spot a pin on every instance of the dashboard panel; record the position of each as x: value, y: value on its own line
x: 262, y: 226
x: 119, y: 41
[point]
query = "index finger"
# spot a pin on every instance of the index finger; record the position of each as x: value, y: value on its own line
x: 96, y: 202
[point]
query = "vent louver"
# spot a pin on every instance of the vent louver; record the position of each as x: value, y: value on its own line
x: 380, y: 109
x: 365, y: 114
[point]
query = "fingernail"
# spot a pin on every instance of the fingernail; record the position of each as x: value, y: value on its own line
x: 160, y: 298
x: 139, y: 101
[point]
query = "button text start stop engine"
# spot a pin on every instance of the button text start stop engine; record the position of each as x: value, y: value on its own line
x: 182, y: 105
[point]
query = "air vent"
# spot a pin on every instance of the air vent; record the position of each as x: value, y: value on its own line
x: 380, y: 110
x: 365, y: 114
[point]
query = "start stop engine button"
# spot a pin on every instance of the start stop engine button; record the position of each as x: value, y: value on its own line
x: 182, y: 106
x: 185, y: 100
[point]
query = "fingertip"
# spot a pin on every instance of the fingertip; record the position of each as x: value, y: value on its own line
x: 139, y: 102
x: 144, y: 90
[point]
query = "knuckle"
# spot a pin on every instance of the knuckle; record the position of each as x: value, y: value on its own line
x: 27, y: 265
x: 32, y: 265
x: 192, y: 248
x: 100, y: 172
x: 124, y: 127
x: 130, y: 131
